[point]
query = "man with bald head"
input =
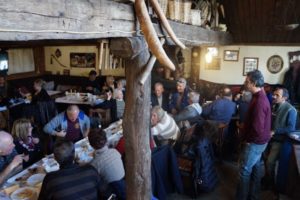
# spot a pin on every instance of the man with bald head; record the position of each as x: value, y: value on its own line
x: 72, y: 124
x: 160, y: 97
x: 9, y: 158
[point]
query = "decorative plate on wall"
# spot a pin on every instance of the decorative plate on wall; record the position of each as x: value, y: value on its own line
x: 275, y: 64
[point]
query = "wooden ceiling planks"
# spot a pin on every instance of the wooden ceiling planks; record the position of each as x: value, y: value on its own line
x: 257, y: 21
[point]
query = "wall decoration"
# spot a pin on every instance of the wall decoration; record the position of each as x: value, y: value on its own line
x: 231, y: 55
x: 250, y: 64
x: 275, y: 64
x: 83, y: 60
x: 214, y: 64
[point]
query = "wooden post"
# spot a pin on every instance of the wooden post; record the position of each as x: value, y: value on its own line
x: 136, y: 123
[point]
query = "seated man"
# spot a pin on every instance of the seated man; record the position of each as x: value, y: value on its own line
x: 283, y: 122
x: 70, y: 181
x: 120, y: 103
x: 92, y: 86
x: 109, y: 103
x: 163, y: 126
x: 108, y: 163
x: 72, y: 124
x: 9, y: 158
x: 179, y: 99
x: 222, y: 109
x: 191, y: 111
x: 159, y: 97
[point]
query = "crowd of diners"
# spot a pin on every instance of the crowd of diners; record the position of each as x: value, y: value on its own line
x: 264, y: 121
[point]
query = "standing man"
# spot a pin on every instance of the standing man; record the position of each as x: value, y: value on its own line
x: 72, y: 124
x: 257, y: 133
x: 160, y: 98
x: 284, y: 122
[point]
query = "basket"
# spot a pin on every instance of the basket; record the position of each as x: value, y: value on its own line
x: 174, y: 10
x: 164, y: 7
x: 185, y: 7
x: 195, y: 17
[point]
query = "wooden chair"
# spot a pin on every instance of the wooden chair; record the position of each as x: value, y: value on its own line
x: 103, y: 114
x: 4, y: 120
x: 239, y: 132
x: 222, y: 127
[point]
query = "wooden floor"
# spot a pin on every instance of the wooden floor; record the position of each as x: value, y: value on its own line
x: 228, y: 176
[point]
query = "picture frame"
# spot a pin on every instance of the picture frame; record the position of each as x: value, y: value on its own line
x: 231, y: 55
x: 275, y: 64
x: 83, y: 60
x: 250, y: 64
x: 214, y: 65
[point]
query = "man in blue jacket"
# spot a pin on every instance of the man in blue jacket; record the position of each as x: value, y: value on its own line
x: 179, y: 99
x: 222, y: 109
x: 72, y: 124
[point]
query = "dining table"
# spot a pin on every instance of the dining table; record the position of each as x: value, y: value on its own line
x: 80, y: 99
x: 30, y: 179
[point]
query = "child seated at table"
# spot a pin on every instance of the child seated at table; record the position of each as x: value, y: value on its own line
x: 25, y: 142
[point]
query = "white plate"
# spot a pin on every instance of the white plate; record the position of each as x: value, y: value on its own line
x: 35, y: 179
x: 295, y: 136
x: 24, y: 193
x: 22, y: 173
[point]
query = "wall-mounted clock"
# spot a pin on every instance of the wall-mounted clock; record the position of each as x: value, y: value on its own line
x: 275, y: 64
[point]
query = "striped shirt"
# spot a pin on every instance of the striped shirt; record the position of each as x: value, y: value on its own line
x: 166, y: 128
x: 70, y: 183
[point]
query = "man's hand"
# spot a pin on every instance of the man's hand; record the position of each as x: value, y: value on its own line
x: 18, y: 159
x: 61, y: 133
x: 272, y: 133
x: 35, y: 140
x: 174, y: 111
x: 26, y: 158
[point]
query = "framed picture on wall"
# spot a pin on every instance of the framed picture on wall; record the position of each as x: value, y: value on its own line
x: 83, y: 60
x: 250, y: 64
x: 214, y: 64
x: 231, y: 55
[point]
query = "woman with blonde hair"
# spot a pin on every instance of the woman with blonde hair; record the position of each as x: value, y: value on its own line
x: 25, y: 143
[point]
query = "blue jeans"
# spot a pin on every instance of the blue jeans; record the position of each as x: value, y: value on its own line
x: 250, y: 172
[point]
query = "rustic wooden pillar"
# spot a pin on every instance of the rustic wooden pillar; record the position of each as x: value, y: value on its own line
x: 136, y: 123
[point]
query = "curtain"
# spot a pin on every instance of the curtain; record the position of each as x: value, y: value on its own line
x: 20, y: 61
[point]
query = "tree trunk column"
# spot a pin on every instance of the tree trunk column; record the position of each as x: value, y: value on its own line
x: 136, y: 123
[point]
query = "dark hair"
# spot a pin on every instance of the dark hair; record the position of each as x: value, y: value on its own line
x: 93, y: 72
x: 256, y: 77
x: 285, y: 92
x: 64, y: 152
x: 97, y: 138
x: 109, y: 89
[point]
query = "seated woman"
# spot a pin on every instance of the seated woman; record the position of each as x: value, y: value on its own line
x: 40, y: 94
x: 108, y: 164
x: 163, y: 126
x: 25, y: 143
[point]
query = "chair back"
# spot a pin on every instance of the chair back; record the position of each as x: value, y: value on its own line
x: 105, y: 116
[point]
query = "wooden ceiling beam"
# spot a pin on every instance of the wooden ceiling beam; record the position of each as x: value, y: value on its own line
x: 85, y: 20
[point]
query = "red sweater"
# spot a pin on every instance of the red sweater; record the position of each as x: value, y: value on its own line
x: 257, y: 128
